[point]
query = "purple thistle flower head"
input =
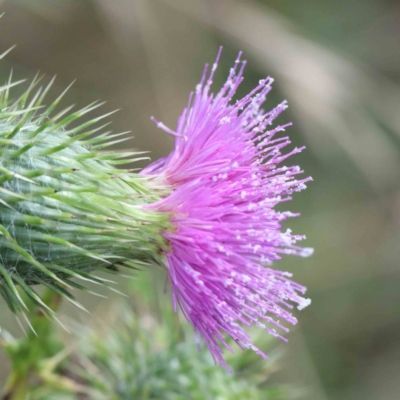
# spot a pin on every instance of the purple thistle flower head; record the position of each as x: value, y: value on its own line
x: 226, y: 175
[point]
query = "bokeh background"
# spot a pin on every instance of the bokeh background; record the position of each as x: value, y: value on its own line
x: 338, y: 64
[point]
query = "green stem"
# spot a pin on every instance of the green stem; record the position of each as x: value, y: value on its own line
x: 27, y: 353
x: 17, y: 387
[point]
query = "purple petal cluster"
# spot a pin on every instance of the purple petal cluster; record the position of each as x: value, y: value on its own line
x: 227, y: 175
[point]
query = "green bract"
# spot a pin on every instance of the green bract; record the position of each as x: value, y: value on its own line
x: 65, y: 208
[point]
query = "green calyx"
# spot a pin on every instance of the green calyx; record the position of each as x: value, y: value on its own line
x: 66, y: 210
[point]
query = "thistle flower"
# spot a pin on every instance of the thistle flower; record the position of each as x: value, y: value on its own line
x: 206, y: 212
x: 227, y: 175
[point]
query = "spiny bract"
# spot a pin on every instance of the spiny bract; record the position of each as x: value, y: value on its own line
x: 65, y: 209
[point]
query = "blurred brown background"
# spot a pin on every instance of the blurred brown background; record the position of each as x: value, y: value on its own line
x: 338, y: 64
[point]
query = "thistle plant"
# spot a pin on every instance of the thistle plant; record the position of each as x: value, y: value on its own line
x: 149, y: 353
x: 205, y: 213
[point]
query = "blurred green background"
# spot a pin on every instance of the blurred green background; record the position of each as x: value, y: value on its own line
x: 338, y: 64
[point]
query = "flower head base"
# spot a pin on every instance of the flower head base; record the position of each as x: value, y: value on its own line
x: 226, y: 176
